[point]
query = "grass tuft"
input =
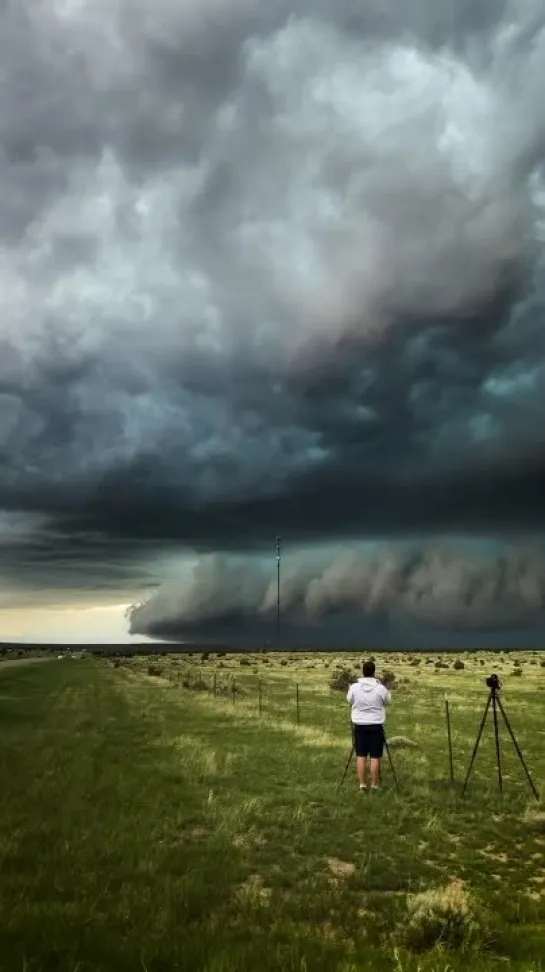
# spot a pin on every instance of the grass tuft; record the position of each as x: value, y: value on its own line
x: 448, y: 916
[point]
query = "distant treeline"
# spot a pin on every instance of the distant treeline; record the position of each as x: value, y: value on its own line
x: 170, y: 648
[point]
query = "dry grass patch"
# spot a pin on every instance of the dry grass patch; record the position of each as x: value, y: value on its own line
x: 534, y: 818
x: 447, y: 916
x: 254, y: 891
x: 249, y: 839
x: 196, y: 833
x: 492, y: 854
x: 340, y: 870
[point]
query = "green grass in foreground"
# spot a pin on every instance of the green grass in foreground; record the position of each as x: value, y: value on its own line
x: 147, y: 827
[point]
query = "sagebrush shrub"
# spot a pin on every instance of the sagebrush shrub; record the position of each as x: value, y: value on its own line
x: 388, y: 679
x: 341, y: 679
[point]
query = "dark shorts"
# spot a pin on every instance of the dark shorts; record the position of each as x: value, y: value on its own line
x: 369, y: 741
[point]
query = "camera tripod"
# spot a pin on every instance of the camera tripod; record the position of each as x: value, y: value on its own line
x: 352, y: 750
x: 494, y: 700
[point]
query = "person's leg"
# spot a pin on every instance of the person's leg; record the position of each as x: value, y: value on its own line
x: 361, y: 754
x: 376, y: 751
x: 361, y: 764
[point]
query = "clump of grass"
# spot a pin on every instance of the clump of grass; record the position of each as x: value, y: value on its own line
x: 534, y: 818
x: 448, y: 916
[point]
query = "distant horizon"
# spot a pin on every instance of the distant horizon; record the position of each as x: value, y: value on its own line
x: 224, y: 648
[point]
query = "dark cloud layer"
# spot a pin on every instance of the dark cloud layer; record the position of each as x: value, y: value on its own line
x: 392, y: 598
x: 270, y: 267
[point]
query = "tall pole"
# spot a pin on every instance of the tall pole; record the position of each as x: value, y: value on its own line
x: 449, y: 736
x: 278, y: 589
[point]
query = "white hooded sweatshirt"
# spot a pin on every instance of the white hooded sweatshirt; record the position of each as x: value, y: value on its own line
x: 368, y: 698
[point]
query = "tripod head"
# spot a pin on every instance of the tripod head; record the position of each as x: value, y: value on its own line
x: 493, y: 684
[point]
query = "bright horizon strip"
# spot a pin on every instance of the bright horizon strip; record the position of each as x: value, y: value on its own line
x: 82, y: 624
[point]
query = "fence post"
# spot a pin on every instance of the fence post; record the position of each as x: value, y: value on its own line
x: 234, y: 689
x: 449, y: 736
x: 259, y: 699
x: 297, y: 701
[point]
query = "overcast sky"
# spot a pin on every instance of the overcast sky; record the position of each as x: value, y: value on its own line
x: 273, y: 268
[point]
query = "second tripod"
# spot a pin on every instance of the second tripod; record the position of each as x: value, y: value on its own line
x: 494, y: 700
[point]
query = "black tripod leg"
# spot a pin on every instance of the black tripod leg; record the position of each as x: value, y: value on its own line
x: 391, y: 762
x: 497, y: 738
x: 349, y: 760
x: 475, y: 748
x: 517, y: 747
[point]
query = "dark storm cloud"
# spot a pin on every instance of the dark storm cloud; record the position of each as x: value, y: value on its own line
x: 271, y: 267
x: 416, y: 595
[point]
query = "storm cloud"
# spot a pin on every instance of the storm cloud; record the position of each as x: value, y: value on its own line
x: 360, y: 596
x: 270, y: 268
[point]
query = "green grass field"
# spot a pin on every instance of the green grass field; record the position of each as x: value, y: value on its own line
x: 149, y: 826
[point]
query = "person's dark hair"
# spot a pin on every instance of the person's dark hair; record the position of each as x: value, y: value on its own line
x: 368, y: 669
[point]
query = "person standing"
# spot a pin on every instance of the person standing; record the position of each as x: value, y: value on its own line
x: 368, y: 699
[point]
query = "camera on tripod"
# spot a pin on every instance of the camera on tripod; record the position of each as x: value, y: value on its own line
x: 493, y: 683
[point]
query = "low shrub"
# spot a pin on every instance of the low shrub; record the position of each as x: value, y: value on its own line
x: 197, y: 684
x: 341, y: 679
x: 458, y: 665
x: 388, y: 679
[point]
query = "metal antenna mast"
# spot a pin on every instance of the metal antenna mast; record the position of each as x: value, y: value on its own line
x: 277, y: 549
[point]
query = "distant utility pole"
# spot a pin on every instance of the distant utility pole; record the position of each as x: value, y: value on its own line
x: 277, y: 548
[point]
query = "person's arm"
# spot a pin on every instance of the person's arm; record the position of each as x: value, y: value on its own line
x: 386, y: 696
x: 349, y: 696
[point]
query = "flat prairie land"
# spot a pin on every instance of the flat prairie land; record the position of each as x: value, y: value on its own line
x: 187, y: 813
